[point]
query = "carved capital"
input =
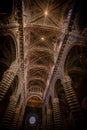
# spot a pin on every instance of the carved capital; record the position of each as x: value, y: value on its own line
x: 13, y: 98
x: 49, y: 111
x: 55, y: 100
x: 66, y: 79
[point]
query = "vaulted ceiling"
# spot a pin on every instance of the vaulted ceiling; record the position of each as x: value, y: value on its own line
x: 44, y: 21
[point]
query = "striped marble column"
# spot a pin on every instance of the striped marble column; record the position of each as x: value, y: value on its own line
x: 71, y: 98
x: 21, y: 41
x: 15, y: 120
x: 57, y: 119
x: 9, y: 114
x: 49, y: 120
x: 8, y: 78
x: 44, y: 124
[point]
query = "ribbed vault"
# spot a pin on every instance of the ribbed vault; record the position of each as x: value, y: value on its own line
x: 44, y: 21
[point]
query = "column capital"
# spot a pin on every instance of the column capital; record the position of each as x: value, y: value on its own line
x: 49, y: 111
x: 13, y: 98
x: 56, y: 100
x: 66, y: 78
x: 12, y: 69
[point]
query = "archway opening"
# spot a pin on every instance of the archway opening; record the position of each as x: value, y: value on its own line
x: 33, y: 114
x: 76, y: 68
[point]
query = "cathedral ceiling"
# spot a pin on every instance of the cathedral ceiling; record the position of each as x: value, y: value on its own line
x: 43, y: 25
x: 43, y: 20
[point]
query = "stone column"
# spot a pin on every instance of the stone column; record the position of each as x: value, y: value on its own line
x: 72, y: 99
x: 49, y: 120
x: 44, y: 124
x: 9, y: 114
x: 19, y: 123
x: 8, y: 78
x: 57, y: 115
x: 21, y: 116
x: 20, y: 22
x: 15, y: 120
